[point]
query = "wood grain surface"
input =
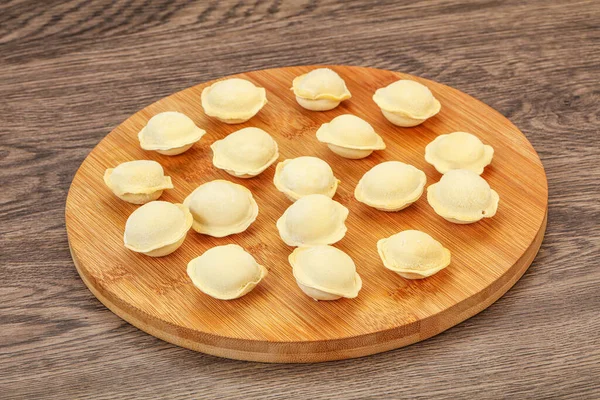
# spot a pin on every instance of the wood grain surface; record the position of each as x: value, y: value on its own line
x: 71, y: 71
x: 277, y: 322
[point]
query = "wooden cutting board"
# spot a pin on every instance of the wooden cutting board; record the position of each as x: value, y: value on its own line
x: 276, y: 322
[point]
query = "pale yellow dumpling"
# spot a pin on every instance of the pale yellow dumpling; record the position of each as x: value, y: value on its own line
x: 325, y: 273
x: 221, y: 208
x: 233, y: 100
x: 137, y: 182
x: 225, y: 272
x: 406, y: 103
x: 350, y: 136
x: 463, y: 197
x: 390, y: 186
x: 458, y: 150
x: 312, y: 220
x: 305, y: 175
x: 245, y: 153
x: 413, y: 254
x: 321, y: 89
x: 157, y: 228
x: 170, y: 133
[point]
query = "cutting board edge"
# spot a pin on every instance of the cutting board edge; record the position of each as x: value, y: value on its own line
x: 278, y: 352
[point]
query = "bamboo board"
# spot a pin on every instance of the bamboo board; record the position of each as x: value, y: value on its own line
x: 276, y: 322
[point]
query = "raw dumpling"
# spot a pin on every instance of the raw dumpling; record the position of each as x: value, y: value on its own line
x: 137, y: 182
x: 245, y: 153
x: 321, y: 89
x: 462, y: 197
x: 157, y: 228
x: 390, y: 186
x: 312, y: 220
x: 325, y: 273
x: 233, y: 100
x: 303, y: 176
x: 406, y: 103
x: 221, y: 208
x: 225, y: 272
x: 413, y: 254
x: 350, y: 136
x: 169, y: 133
x: 458, y: 150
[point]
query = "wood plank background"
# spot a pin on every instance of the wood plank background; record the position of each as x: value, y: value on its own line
x: 70, y: 71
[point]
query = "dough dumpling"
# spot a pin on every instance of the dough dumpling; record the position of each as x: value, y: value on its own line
x: 306, y: 175
x: 350, y: 136
x: 170, y: 133
x: 221, y: 208
x: 157, y: 228
x: 233, y: 100
x: 390, y: 186
x: 312, y: 220
x: 137, y: 182
x: 406, y: 103
x: 321, y: 89
x: 458, y: 150
x: 413, y: 254
x: 245, y: 153
x: 463, y: 197
x: 225, y: 272
x: 325, y: 273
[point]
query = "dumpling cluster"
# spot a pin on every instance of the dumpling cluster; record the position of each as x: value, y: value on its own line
x: 463, y: 197
x: 302, y: 176
x: 221, y: 208
x: 321, y: 89
x: 458, y: 150
x: 233, y: 100
x: 325, y: 273
x: 245, y: 153
x: 350, y: 136
x: 413, y: 254
x: 169, y: 133
x: 137, y: 182
x: 157, y: 228
x: 406, y: 103
x: 225, y: 272
x: 312, y: 220
x: 390, y: 186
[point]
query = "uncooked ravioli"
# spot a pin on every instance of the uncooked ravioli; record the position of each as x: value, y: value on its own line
x: 137, y: 182
x: 413, y: 254
x: 463, y: 197
x: 245, y: 153
x: 225, y: 272
x: 233, y: 100
x: 170, y: 133
x: 221, y: 208
x: 325, y: 272
x: 157, y: 228
x: 390, y: 186
x: 350, y: 136
x: 406, y: 103
x: 312, y: 220
x: 321, y: 89
x: 458, y: 150
x: 305, y: 175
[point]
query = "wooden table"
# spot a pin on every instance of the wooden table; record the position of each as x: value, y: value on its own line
x: 70, y: 72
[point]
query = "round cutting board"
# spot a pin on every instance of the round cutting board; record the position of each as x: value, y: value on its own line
x: 276, y: 322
